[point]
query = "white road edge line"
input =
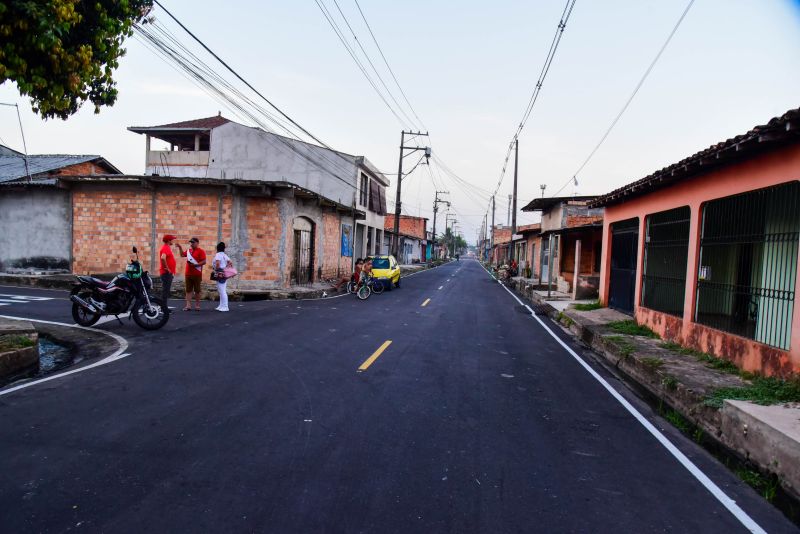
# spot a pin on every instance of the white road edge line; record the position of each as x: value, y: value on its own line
x: 726, y: 501
x: 117, y: 355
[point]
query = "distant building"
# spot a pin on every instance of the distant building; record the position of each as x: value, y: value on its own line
x: 705, y: 251
x: 413, y: 238
x: 570, y: 244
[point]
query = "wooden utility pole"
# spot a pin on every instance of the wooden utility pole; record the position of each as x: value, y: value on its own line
x: 514, y: 202
x: 397, y: 204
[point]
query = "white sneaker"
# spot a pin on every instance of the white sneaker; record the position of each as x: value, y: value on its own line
x: 222, y: 309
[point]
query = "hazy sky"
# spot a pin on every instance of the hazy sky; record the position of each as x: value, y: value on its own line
x: 468, y: 68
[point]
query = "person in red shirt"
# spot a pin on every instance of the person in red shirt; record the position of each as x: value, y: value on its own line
x: 167, y: 265
x: 195, y: 259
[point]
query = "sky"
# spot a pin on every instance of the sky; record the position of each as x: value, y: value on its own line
x: 468, y: 69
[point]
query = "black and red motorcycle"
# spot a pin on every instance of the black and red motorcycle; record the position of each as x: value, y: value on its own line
x: 93, y: 298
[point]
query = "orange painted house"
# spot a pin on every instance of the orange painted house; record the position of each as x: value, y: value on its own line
x: 705, y: 251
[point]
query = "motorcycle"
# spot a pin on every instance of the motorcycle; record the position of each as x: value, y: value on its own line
x: 93, y: 298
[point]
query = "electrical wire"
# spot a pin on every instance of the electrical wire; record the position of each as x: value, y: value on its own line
x: 386, y: 62
x: 366, y: 55
x: 630, y: 99
x: 329, y: 17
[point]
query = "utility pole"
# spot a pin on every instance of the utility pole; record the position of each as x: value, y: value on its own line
x: 508, y: 214
x: 397, y: 204
x: 436, y: 203
x: 514, y: 206
x: 491, y: 248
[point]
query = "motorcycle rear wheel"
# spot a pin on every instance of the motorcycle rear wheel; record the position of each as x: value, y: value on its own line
x: 153, y: 317
x: 81, y: 315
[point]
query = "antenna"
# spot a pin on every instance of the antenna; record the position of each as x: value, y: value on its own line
x: 24, y: 145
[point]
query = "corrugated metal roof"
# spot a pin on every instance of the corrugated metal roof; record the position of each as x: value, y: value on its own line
x: 13, y: 167
x: 776, y: 133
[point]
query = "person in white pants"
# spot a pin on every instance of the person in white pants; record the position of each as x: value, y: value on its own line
x: 221, y: 261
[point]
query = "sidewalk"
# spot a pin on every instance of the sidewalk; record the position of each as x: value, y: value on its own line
x: 694, y: 387
x: 238, y: 291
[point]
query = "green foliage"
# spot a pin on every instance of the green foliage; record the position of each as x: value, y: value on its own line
x: 653, y: 363
x: 762, y: 390
x: 678, y: 421
x: 631, y: 328
x: 670, y: 382
x: 14, y: 341
x: 587, y: 306
x: 725, y: 366
x: 767, y: 486
x: 61, y: 53
x: 623, y: 345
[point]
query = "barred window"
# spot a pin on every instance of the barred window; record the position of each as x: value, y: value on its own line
x: 748, y: 264
x: 364, y: 190
x: 666, y: 251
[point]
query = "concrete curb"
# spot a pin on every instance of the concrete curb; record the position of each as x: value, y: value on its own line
x: 21, y: 360
x: 683, y: 385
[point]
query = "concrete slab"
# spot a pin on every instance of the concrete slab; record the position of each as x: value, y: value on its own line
x: 767, y: 436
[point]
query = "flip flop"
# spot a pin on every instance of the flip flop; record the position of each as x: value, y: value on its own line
x: 187, y: 309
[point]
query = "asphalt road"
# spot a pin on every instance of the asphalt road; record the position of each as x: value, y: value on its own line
x: 473, y: 419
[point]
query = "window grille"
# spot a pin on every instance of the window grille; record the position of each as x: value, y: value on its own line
x: 364, y: 190
x: 666, y: 251
x: 748, y: 264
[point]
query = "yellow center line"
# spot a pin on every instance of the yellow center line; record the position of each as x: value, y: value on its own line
x: 371, y: 359
x: 426, y: 303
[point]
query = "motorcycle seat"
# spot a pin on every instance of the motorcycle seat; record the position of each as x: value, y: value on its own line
x: 94, y: 281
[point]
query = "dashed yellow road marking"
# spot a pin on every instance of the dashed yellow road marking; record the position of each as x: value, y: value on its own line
x: 426, y: 303
x: 371, y: 359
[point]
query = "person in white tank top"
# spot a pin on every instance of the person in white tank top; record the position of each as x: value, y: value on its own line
x: 221, y: 261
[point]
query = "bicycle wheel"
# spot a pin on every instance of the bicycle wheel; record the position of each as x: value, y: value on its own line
x: 351, y: 287
x: 364, y: 292
x: 377, y: 287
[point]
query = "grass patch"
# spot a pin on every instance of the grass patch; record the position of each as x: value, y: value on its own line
x: 623, y: 344
x: 762, y: 390
x: 726, y: 366
x: 767, y: 486
x: 588, y: 306
x: 631, y: 328
x: 14, y: 341
x: 678, y: 421
x: 566, y: 321
x: 670, y: 382
x: 652, y: 363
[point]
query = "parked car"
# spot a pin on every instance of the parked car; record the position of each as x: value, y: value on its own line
x: 385, y: 267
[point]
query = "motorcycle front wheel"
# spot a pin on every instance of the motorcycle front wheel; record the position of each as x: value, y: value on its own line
x: 81, y: 315
x: 150, y: 317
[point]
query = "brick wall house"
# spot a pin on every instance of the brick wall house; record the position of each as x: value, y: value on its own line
x: 261, y: 227
x: 413, y: 237
x: 570, y: 244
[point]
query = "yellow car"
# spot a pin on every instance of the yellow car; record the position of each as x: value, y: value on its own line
x: 387, y: 269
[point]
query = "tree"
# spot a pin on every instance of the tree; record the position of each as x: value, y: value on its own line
x: 61, y: 53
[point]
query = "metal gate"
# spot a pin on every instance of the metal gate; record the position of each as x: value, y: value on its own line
x: 544, y: 263
x: 303, y: 266
x: 624, y: 248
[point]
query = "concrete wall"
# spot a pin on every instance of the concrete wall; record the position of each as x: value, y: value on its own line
x: 773, y: 168
x: 241, y: 152
x: 36, y: 228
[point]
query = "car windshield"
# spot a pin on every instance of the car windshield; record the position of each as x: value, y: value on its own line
x: 380, y: 263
